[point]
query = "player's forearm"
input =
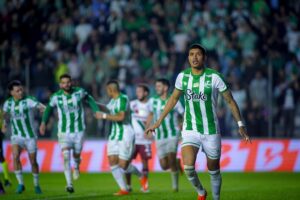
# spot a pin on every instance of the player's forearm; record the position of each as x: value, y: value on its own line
x: 102, y: 107
x: 46, y: 114
x: 149, y: 120
x: 235, y: 110
x: 169, y: 106
x: 119, y: 117
x: 92, y: 103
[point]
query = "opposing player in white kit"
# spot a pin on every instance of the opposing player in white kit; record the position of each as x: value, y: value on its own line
x: 71, y: 123
x: 200, y: 86
x: 167, y: 135
x: 121, y: 139
x: 19, y: 109
x: 140, y: 110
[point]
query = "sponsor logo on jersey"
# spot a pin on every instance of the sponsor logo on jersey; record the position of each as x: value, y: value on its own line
x: 191, y: 95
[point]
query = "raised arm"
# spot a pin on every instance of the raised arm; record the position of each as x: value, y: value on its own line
x: 92, y: 103
x: 236, y: 114
x: 169, y: 106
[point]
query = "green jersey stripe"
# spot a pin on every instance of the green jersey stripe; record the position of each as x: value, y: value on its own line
x: 208, y: 104
x: 172, y: 125
x: 164, y: 129
x: 141, y: 124
x: 187, y: 115
x: 28, y: 124
x: 121, y: 131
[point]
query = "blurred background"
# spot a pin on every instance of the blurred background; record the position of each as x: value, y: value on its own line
x: 254, y: 44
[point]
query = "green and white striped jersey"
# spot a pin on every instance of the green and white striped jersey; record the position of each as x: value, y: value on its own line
x: 169, y: 126
x: 21, y: 116
x: 70, y: 110
x: 201, y: 94
x: 120, y: 104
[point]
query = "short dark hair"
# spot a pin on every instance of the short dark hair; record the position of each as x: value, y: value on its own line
x: 145, y: 87
x: 164, y: 81
x: 65, y: 76
x: 113, y: 82
x: 198, y: 46
x: 13, y: 83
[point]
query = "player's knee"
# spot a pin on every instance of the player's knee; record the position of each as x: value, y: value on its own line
x: 66, y: 154
x: 189, y: 170
x: 16, y: 157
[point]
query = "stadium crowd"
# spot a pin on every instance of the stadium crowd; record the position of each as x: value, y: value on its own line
x: 252, y: 43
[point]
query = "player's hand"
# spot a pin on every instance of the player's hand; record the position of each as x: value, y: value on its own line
x: 3, y: 128
x: 98, y: 115
x: 244, y: 134
x: 42, y: 128
x: 150, y: 131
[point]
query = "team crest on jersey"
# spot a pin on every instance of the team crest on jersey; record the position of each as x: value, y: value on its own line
x: 207, y: 84
x: 191, y: 95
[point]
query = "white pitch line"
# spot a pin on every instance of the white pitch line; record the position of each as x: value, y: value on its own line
x: 69, y: 196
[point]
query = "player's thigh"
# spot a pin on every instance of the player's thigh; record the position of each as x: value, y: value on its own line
x: 162, y: 149
x: 31, y: 145
x: 17, y: 145
x: 112, y: 148
x: 172, y: 146
x: 144, y: 150
x: 126, y: 145
x: 211, y: 146
x: 78, y: 142
x: 65, y: 141
x: 191, y: 143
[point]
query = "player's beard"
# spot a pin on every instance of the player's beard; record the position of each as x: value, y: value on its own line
x: 142, y: 98
x: 67, y: 89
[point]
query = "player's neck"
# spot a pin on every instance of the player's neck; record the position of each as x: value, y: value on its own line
x: 198, y: 70
x: 143, y: 100
x: 164, y: 96
x: 115, y: 95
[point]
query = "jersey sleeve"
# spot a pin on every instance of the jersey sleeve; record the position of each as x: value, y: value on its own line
x: 32, y: 102
x: 123, y: 104
x: 150, y: 104
x: 178, y: 82
x: 53, y: 101
x: 5, y: 107
x: 219, y: 83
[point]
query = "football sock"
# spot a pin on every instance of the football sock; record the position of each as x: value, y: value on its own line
x: 133, y: 170
x: 19, y: 177
x: 67, y: 167
x: 145, y: 172
x: 193, y: 178
x: 118, y: 175
x: 76, y: 163
x: 216, y: 182
x: 35, y: 179
x: 5, y: 171
x: 174, y: 176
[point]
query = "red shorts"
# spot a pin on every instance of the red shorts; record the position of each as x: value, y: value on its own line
x: 144, y: 150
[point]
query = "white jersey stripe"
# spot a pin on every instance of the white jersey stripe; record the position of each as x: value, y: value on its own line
x: 202, y: 106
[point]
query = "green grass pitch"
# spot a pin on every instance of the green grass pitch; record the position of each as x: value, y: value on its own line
x: 239, y: 186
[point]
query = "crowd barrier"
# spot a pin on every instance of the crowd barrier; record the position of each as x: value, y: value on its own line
x: 237, y: 156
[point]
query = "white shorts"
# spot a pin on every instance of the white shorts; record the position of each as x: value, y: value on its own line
x: 72, y: 141
x: 26, y: 143
x: 165, y: 146
x: 209, y: 144
x: 123, y: 148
